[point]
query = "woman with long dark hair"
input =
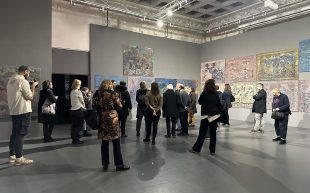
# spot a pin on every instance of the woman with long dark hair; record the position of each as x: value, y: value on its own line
x: 154, y: 102
x: 107, y: 103
x: 210, y: 107
x: 47, y: 98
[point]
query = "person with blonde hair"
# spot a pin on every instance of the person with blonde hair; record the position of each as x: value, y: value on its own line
x: 77, y: 112
x: 106, y: 103
x: 280, y: 113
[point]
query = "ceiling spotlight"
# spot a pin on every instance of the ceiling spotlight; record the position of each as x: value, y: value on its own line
x: 169, y: 13
x: 271, y: 4
x: 160, y: 23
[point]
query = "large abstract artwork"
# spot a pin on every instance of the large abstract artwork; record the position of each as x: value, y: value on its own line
x: 134, y: 85
x: 5, y: 73
x: 100, y: 78
x: 243, y: 93
x: 290, y: 88
x: 163, y: 82
x: 213, y: 69
x: 304, y: 96
x: 281, y: 65
x: 304, y: 60
x: 137, y: 61
x: 240, y: 69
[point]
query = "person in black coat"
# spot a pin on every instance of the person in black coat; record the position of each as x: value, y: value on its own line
x: 141, y: 108
x: 47, y: 119
x: 281, y: 103
x: 210, y: 106
x: 259, y: 108
x: 171, y: 104
x: 123, y: 113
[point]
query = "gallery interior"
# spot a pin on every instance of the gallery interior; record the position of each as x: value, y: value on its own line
x: 243, y: 43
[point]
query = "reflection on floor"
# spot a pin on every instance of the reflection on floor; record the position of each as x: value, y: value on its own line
x: 244, y: 163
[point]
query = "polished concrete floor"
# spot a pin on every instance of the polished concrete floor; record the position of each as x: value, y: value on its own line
x: 244, y: 163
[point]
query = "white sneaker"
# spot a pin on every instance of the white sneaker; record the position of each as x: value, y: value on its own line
x: 22, y: 161
x: 12, y: 159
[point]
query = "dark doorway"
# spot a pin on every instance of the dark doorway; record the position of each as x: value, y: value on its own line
x: 62, y: 88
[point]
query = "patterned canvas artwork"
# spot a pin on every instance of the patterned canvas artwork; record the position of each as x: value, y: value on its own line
x: 243, y: 93
x: 304, y: 59
x: 100, y: 78
x: 134, y: 85
x: 163, y: 82
x: 290, y: 88
x: 5, y: 73
x: 304, y: 96
x: 137, y: 61
x: 213, y: 69
x: 240, y: 69
x: 281, y: 65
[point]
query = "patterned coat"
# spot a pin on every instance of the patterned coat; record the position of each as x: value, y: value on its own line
x: 107, y: 103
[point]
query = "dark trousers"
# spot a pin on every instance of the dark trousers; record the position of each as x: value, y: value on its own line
x: 118, y: 158
x: 281, y: 127
x: 203, y: 129
x: 226, y: 116
x: 152, y: 120
x: 140, y: 114
x: 20, y: 129
x: 77, y: 122
x: 171, y: 130
x: 122, y: 118
x: 48, y: 127
x: 184, y: 122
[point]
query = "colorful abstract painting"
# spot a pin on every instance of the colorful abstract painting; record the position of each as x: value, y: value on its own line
x: 163, y: 82
x: 290, y: 88
x: 240, y: 69
x: 281, y: 65
x: 134, y: 85
x: 304, y: 95
x: 213, y: 69
x: 304, y: 59
x: 100, y: 78
x: 137, y: 61
x: 243, y: 93
x: 5, y: 73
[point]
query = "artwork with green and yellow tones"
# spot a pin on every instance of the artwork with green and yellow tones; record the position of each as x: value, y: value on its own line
x: 280, y: 65
x: 243, y: 93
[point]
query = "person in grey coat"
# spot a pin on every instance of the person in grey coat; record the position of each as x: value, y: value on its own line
x: 183, y: 113
x: 171, y: 104
x: 259, y: 108
x: 192, y: 109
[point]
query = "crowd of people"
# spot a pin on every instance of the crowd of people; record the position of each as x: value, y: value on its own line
x: 107, y: 110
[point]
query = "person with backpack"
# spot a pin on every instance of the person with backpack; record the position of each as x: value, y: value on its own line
x: 141, y: 108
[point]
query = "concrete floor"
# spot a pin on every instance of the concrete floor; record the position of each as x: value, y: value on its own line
x: 244, y: 163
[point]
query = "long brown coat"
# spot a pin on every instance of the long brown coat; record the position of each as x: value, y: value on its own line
x: 107, y: 103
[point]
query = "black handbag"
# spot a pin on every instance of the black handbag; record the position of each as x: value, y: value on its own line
x: 277, y: 115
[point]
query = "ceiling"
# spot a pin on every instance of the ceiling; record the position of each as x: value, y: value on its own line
x: 203, y: 10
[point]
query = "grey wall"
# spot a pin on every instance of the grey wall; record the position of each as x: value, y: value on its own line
x: 278, y: 37
x: 25, y: 39
x: 70, y: 62
x: 172, y: 59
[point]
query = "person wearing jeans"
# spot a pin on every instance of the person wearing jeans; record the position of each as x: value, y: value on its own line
x: 259, y: 108
x: 20, y: 94
x: 154, y: 102
x: 280, y: 103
